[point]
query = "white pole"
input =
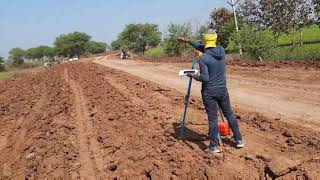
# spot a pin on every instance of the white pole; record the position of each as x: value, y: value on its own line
x: 236, y: 23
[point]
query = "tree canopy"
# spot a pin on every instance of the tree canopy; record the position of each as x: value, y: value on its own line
x: 279, y: 16
x: 40, y: 52
x: 96, y: 47
x: 223, y: 22
x: 254, y: 42
x: 201, y: 30
x: 138, y: 37
x: 316, y: 4
x: 172, y: 46
x: 72, y: 44
x: 17, y: 56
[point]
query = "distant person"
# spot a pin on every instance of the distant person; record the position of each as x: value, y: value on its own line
x: 214, y: 87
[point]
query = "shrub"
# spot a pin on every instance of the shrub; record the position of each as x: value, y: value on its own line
x: 156, y: 52
x: 256, y: 44
x: 172, y: 46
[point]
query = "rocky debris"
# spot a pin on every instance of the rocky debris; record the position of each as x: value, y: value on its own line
x: 160, y: 89
x: 281, y: 166
x: 249, y: 157
x: 287, y: 133
x: 316, y: 159
x: 113, y: 167
x: 30, y: 155
x: 264, y: 157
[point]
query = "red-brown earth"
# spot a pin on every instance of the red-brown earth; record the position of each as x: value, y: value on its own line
x: 82, y: 120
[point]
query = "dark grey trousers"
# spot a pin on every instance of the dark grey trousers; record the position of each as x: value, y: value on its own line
x: 212, y: 100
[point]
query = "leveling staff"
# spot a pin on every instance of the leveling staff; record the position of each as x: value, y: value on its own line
x: 214, y: 89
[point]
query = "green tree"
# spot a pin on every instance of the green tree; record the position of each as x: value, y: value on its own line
x: 284, y: 16
x: 256, y: 43
x: 17, y: 56
x: 96, y: 47
x: 202, y: 30
x: 280, y: 16
x: 222, y: 21
x: 250, y: 12
x: 172, y: 46
x: 40, y: 52
x: 138, y: 37
x: 302, y: 17
x: 118, y: 44
x: 2, y: 67
x: 72, y: 44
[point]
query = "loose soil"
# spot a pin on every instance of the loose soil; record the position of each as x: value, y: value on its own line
x: 82, y: 120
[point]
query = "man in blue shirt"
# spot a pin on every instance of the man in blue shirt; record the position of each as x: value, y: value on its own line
x: 214, y: 87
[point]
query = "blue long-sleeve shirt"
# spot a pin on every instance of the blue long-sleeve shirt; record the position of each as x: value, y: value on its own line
x: 212, y: 67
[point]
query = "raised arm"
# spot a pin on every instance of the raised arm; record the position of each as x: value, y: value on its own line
x: 197, y: 44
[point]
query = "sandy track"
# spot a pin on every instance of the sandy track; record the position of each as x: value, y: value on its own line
x: 292, y: 95
x: 83, y: 120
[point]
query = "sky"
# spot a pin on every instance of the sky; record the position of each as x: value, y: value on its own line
x: 30, y: 23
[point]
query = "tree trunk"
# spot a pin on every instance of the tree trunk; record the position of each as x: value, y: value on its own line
x: 292, y: 39
x: 301, y: 36
x: 276, y: 39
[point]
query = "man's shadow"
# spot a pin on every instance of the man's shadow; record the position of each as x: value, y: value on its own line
x: 196, y: 138
x: 190, y: 136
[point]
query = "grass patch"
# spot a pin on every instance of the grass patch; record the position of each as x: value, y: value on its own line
x: 310, y: 35
x: 156, y: 52
x: 6, y: 75
x: 310, y: 50
x: 301, y: 52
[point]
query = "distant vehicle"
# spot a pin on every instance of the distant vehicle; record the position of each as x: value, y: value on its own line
x: 124, y: 55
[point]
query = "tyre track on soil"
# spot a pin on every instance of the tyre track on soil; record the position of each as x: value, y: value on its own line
x: 91, y: 162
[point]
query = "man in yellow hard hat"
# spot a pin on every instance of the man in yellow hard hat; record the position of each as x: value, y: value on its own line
x: 214, y: 87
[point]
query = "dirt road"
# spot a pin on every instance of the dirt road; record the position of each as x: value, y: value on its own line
x: 289, y: 94
x: 81, y: 120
